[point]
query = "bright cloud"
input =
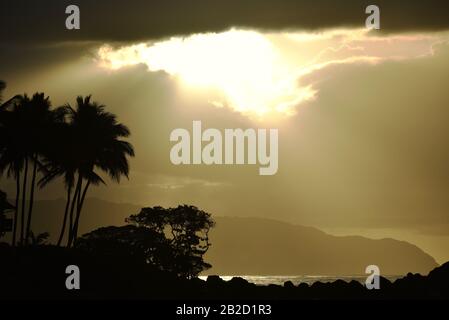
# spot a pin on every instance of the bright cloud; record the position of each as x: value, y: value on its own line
x: 260, y: 74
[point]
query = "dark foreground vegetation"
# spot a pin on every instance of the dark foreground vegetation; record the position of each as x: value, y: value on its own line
x: 158, y: 254
x: 39, y: 144
x: 39, y: 273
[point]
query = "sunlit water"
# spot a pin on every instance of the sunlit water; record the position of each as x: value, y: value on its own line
x: 309, y: 279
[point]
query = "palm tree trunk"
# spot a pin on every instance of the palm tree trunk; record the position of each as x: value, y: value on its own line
x: 78, y: 213
x: 66, y: 213
x: 22, y: 225
x: 72, y: 209
x: 16, y: 213
x: 30, y: 209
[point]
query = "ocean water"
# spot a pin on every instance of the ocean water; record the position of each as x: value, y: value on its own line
x: 309, y: 279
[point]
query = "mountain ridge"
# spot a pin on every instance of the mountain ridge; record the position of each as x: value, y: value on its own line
x: 254, y: 246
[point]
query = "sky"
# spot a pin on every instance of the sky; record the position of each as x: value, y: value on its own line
x: 362, y: 115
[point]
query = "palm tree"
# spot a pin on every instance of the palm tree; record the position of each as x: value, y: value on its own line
x: 40, y: 121
x: 101, y: 148
x: 61, y: 159
x: 11, y: 153
x: 94, y: 139
x: 24, y: 123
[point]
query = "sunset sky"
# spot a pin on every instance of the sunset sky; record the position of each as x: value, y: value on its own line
x: 362, y: 115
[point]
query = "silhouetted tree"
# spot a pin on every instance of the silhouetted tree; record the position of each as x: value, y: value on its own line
x: 12, y: 153
x: 25, y: 124
x: 138, y: 243
x: 61, y: 159
x: 99, y: 135
x: 8, y: 149
x: 69, y: 142
x: 186, y: 228
x: 172, y: 240
x: 94, y: 138
x: 39, y: 120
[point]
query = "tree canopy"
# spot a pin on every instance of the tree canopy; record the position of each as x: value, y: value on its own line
x: 173, y: 239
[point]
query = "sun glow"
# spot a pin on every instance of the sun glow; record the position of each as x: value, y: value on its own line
x: 243, y: 65
x: 263, y: 74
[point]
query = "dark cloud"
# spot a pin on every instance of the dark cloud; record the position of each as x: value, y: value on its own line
x: 21, y: 59
x: 114, y: 20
